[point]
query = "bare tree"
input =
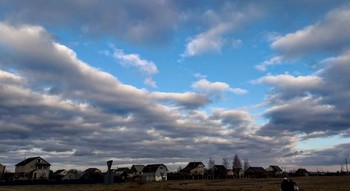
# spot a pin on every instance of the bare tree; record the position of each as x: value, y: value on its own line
x: 211, y: 163
x: 225, y: 162
x: 236, y: 162
x: 246, y: 164
x: 179, y: 168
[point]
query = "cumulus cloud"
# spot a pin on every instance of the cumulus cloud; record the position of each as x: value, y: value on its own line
x: 76, y: 111
x: 134, y: 60
x: 113, y: 18
x: 315, y: 104
x: 145, y: 67
x: 210, y: 41
x: 188, y: 100
x: 216, y: 89
x: 330, y: 34
x: 267, y: 63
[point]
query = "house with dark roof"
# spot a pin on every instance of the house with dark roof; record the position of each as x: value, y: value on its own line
x: 73, y: 174
x: 35, y: 168
x: 59, y: 174
x: 137, y: 169
x: 137, y: 172
x: 218, y: 171
x: 193, y: 168
x: 255, y: 172
x: 121, y: 174
x: 274, y: 171
x: 154, y: 172
x: 92, y: 175
x: 301, y: 172
x: 2, y: 172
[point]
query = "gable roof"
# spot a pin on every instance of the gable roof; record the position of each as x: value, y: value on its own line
x: 256, y: 169
x: 153, y: 167
x: 28, y: 160
x: 92, y: 171
x: 137, y: 168
x: 120, y: 171
x: 219, y: 168
x: 275, y: 168
x: 191, y: 166
x: 59, y: 171
x: 301, y: 170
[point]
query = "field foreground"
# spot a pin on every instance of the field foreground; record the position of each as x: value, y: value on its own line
x: 320, y: 183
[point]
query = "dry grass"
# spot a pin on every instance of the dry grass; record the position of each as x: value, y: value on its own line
x: 340, y: 183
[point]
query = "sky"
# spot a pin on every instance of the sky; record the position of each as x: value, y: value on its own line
x: 165, y: 81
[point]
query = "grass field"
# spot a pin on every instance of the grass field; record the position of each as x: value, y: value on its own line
x: 333, y: 183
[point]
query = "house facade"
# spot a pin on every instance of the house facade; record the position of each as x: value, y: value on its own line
x: 59, y: 174
x: 255, y: 172
x: 121, y: 174
x: 72, y: 174
x: 238, y: 172
x: 274, y: 171
x: 218, y: 171
x: 154, y: 172
x: 35, y: 168
x: 193, y: 168
x: 137, y: 170
x: 301, y: 172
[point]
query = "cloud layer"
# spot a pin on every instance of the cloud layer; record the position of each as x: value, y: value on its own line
x: 54, y: 104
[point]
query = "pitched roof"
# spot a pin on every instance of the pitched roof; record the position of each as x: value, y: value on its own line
x: 137, y: 168
x: 92, y: 171
x: 191, y: 166
x: 219, y: 168
x: 256, y: 169
x: 59, y: 171
x: 301, y: 170
x: 28, y: 160
x: 275, y: 168
x: 153, y: 167
x: 120, y: 171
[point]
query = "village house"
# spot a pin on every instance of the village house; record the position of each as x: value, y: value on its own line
x: 2, y: 172
x: 32, y: 169
x: 92, y: 175
x: 137, y: 172
x: 238, y: 172
x: 218, y: 172
x: 154, y: 172
x: 274, y: 171
x: 255, y: 172
x: 59, y: 174
x: 121, y: 174
x: 193, y: 168
x: 301, y: 172
x: 72, y: 174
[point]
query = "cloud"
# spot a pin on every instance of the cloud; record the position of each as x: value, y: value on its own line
x: 76, y: 110
x: 117, y: 19
x: 267, y: 63
x: 150, y: 82
x: 329, y: 35
x: 134, y: 60
x: 210, y: 41
x: 145, y: 67
x: 315, y: 104
x: 216, y: 89
x: 188, y: 100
